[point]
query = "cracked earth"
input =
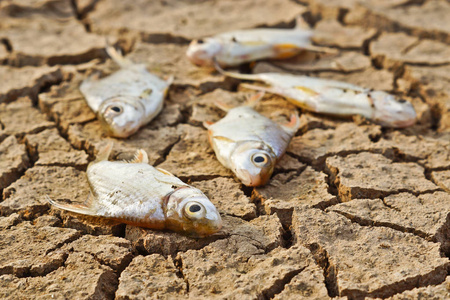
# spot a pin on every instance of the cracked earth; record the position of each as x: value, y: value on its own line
x: 352, y: 211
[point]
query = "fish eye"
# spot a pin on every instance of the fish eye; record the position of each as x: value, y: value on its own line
x: 200, y: 41
x: 194, y: 210
x: 116, y: 109
x: 260, y: 159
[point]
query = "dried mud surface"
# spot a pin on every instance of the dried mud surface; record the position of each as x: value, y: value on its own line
x: 353, y: 210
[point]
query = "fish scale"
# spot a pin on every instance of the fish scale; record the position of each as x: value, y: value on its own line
x: 127, y: 99
x: 244, y: 123
x: 136, y: 193
x: 250, y: 144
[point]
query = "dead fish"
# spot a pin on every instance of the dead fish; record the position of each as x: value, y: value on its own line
x: 127, y: 99
x: 334, y: 97
x: 240, y: 46
x: 250, y: 144
x: 138, y: 194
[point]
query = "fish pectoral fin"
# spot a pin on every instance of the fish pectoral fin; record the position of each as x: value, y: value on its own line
x: 76, y: 208
x: 222, y: 105
x: 286, y: 50
x: 140, y: 157
x: 294, y: 124
x: 223, y: 138
x: 165, y: 171
x: 104, y: 152
x: 254, y: 99
x: 207, y: 124
x: 259, y: 88
x: 306, y: 90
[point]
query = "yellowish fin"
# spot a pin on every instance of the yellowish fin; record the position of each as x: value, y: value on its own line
x: 105, y: 152
x: 222, y: 138
x: 293, y: 124
x: 140, y: 157
x: 76, y: 208
x: 283, y: 51
x: 253, y: 43
x: 254, y: 99
x: 207, y: 124
x: 307, y: 90
x: 165, y: 172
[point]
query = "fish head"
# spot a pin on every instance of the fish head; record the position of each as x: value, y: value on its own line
x: 253, y: 163
x: 392, y: 112
x: 188, y: 210
x: 121, y: 116
x: 202, y: 51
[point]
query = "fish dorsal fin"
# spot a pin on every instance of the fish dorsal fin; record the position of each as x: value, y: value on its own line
x: 165, y: 172
x: 104, y: 152
x: 140, y: 157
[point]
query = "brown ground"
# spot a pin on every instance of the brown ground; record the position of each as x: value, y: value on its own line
x: 353, y: 210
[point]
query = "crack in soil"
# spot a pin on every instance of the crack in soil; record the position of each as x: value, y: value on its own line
x: 278, y: 285
x: 166, y: 152
x: 399, y: 286
x: 322, y: 259
x: 178, y: 263
x: 371, y: 223
x: 7, y: 43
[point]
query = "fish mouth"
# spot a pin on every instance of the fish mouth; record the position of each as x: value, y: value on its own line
x: 404, y: 123
x: 201, y: 62
x: 251, y: 180
x: 118, y: 131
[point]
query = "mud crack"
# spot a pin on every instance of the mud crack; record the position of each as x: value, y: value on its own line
x: 329, y: 270
x: 178, y: 263
x: 278, y: 285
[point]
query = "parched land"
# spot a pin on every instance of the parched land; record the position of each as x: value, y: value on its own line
x: 353, y: 210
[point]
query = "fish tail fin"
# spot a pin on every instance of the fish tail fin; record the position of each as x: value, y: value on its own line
x: 104, y: 152
x: 140, y: 157
x: 117, y: 56
x: 253, y: 100
x: 235, y: 75
x: 76, y: 208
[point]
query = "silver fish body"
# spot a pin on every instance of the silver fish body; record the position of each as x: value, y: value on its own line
x: 250, y: 144
x: 335, y: 97
x: 139, y: 194
x: 127, y: 99
x: 236, y: 47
